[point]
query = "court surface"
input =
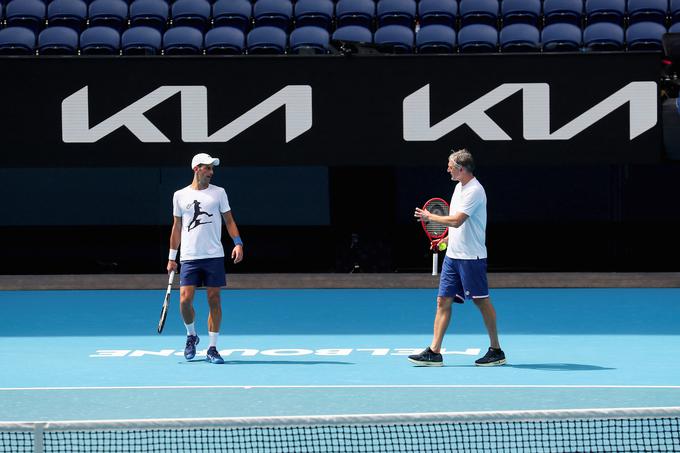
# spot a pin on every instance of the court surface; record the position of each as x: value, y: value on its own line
x: 91, y: 355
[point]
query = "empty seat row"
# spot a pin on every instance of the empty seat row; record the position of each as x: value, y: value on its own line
x: 241, y: 14
x: 435, y: 38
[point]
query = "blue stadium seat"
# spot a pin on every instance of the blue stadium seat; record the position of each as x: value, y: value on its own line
x: 647, y: 11
x: 191, y: 13
x: 58, y: 41
x: 675, y: 11
x: 436, y: 38
x: 17, y: 41
x: 520, y: 38
x: 478, y: 38
x: 612, y: 11
x: 675, y: 28
x: 355, y: 12
x: 100, y: 40
x: 396, y: 12
x: 442, y: 12
x: 25, y: 13
x: 108, y: 13
x: 563, y: 11
x: 67, y: 13
x: 603, y: 36
x: 645, y: 36
x: 225, y: 41
x: 520, y: 11
x: 141, y: 41
x: 479, y: 12
x: 149, y: 13
x: 232, y: 13
x: 398, y: 37
x: 353, y: 33
x: 561, y: 37
x: 273, y: 13
x: 309, y: 40
x: 266, y: 40
x: 182, y: 41
x: 317, y: 13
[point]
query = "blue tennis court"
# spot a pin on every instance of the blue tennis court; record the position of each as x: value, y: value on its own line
x: 95, y: 355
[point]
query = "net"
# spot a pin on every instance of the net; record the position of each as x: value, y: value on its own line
x: 596, y: 430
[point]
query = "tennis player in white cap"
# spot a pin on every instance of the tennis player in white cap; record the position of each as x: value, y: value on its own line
x: 197, y: 211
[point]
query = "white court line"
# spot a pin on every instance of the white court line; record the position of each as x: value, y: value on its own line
x: 367, y: 386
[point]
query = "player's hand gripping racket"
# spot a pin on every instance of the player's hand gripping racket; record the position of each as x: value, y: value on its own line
x: 166, y: 303
x: 433, y: 230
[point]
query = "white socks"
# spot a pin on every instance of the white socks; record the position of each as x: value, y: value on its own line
x: 213, y: 338
x: 191, y: 330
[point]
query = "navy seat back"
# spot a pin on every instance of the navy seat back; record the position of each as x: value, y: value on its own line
x: 398, y: 37
x: 355, y: 12
x: 443, y: 12
x: 563, y: 11
x: 520, y: 11
x: 17, y: 41
x: 67, y: 13
x: 224, y: 41
x: 149, y: 13
x: 100, y: 40
x: 479, y: 12
x: 520, y: 38
x: 191, y: 13
x: 141, y: 41
x: 396, y: 12
x: 317, y: 13
x: 436, y: 38
x: 561, y: 37
x: 478, y: 38
x: 354, y: 33
x: 58, y: 41
x: 603, y: 36
x: 267, y: 40
x: 232, y: 13
x: 605, y: 11
x: 182, y: 41
x: 647, y: 11
x: 309, y: 40
x: 108, y: 13
x: 26, y: 13
x: 645, y: 36
x: 274, y: 13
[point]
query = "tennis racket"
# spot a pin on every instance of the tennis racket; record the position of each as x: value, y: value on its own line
x: 166, y: 303
x: 433, y: 230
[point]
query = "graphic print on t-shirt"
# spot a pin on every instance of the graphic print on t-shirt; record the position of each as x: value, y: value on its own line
x: 197, y: 213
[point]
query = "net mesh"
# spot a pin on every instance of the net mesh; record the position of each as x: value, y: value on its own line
x: 658, y: 434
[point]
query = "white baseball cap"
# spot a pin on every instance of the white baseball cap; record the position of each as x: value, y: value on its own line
x: 205, y: 159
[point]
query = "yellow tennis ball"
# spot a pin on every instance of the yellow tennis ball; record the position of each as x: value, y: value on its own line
x: 442, y: 246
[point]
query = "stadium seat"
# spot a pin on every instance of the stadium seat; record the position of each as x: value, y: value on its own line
x: 603, y: 36
x: 675, y: 11
x: 353, y: 33
x: 479, y: 12
x: 442, y: 12
x: 273, y: 13
x: 355, y: 12
x: 478, y: 38
x: 563, y: 11
x: 67, y: 13
x: 100, y: 40
x: 182, y: 41
x: 25, y: 13
x: 266, y: 40
x: 149, y: 13
x: 647, y: 11
x: 520, y: 11
x: 225, y: 41
x: 108, y: 13
x: 309, y: 40
x: 561, y: 37
x: 675, y: 28
x: 58, y: 41
x: 398, y: 37
x: 317, y: 13
x: 645, y: 36
x: 141, y: 41
x: 232, y: 13
x: 17, y: 41
x: 396, y: 12
x: 436, y: 38
x: 605, y: 11
x: 520, y: 38
x: 191, y: 13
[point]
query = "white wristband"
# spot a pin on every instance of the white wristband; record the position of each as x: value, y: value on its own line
x: 172, y: 256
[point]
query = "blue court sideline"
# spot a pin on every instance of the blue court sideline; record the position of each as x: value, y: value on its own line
x: 96, y: 355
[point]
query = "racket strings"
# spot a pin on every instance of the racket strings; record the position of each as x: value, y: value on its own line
x: 437, y: 207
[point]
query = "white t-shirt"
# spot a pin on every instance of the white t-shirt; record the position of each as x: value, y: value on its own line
x: 201, y: 213
x: 468, y: 241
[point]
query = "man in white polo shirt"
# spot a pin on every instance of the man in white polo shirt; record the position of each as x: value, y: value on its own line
x: 198, y: 210
x: 463, y: 273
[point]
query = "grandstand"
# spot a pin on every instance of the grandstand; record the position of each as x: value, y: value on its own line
x: 194, y: 27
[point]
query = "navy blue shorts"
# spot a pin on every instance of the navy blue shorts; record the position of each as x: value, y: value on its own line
x: 463, y: 279
x: 208, y: 272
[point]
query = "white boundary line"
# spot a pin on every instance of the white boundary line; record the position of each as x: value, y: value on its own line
x: 366, y: 386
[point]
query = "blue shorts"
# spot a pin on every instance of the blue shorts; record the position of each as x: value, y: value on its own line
x: 463, y: 279
x: 208, y: 272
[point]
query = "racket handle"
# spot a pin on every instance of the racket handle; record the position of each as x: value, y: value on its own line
x: 171, y: 277
x: 435, y: 263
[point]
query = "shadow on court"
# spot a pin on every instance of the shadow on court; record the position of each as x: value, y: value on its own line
x: 559, y: 367
x: 271, y: 362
